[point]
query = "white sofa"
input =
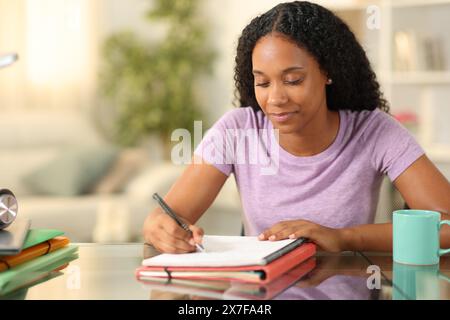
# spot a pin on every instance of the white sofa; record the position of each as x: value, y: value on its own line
x: 30, y: 139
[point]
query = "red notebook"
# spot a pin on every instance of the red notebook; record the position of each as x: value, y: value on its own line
x: 250, y: 273
x: 232, y: 289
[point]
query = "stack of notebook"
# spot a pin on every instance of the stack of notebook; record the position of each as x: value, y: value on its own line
x: 229, y: 258
x: 43, y: 252
x: 231, y: 290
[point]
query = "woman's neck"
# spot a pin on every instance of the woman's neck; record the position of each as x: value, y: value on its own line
x: 316, y: 138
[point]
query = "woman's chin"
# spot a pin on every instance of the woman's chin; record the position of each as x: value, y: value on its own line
x: 284, y: 128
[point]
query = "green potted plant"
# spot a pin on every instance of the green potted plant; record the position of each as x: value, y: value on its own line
x: 150, y: 87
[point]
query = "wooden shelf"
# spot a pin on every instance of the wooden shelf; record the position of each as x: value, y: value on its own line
x: 390, y: 79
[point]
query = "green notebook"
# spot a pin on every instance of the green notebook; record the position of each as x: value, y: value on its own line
x: 35, y: 266
x: 17, y: 288
x: 36, y: 236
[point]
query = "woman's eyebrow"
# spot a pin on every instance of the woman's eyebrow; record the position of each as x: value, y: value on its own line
x: 287, y: 70
x: 292, y: 69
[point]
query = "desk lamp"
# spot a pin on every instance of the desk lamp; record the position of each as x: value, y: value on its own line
x: 7, y: 59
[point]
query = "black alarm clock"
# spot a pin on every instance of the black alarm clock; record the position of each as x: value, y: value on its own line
x: 8, y: 208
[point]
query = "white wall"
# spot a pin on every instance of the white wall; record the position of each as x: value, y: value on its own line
x: 57, y: 45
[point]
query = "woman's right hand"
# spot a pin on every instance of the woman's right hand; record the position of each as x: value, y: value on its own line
x: 163, y: 233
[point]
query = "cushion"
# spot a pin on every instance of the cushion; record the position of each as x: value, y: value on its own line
x: 125, y: 167
x: 73, y: 172
x: 15, y: 164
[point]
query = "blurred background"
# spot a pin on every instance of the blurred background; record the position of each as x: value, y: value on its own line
x: 87, y: 111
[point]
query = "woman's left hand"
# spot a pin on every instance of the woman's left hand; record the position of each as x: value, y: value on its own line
x: 326, y: 239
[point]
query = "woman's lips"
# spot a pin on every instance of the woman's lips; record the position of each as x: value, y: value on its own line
x: 282, y: 117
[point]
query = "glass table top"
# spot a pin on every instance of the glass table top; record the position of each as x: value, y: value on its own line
x: 107, y: 272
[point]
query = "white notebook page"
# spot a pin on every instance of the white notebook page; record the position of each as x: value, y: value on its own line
x: 221, y: 251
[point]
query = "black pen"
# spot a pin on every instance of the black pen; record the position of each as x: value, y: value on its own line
x: 172, y: 214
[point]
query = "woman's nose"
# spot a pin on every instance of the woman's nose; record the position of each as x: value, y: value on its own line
x: 277, y: 96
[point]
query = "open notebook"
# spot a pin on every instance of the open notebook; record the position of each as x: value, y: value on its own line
x: 227, y: 251
x: 230, y: 258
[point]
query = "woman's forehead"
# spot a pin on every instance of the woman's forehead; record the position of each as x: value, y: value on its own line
x: 277, y: 52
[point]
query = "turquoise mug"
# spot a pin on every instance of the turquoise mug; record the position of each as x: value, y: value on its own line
x: 416, y: 237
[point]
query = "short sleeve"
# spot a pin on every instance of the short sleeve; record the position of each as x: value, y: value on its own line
x: 214, y: 145
x: 394, y: 148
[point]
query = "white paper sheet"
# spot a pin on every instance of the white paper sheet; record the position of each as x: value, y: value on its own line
x: 221, y: 251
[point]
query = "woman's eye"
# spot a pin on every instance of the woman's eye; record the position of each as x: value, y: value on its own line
x: 294, y: 82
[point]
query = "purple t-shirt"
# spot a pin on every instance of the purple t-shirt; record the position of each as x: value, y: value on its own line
x: 338, y: 187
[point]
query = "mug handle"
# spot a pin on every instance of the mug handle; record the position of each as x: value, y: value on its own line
x: 443, y: 251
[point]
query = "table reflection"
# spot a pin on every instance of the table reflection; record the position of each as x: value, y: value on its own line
x: 336, y: 277
x: 409, y: 282
x: 418, y: 282
x: 324, y: 277
x: 334, y: 288
x: 218, y: 289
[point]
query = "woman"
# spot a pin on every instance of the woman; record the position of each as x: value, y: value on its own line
x: 300, y: 71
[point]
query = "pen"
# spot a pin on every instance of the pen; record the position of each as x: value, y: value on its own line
x: 172, y: 214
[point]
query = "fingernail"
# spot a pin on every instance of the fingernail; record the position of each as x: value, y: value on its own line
x: 192, y: 242
x: 292, y: 236
x: 261, y: 237
x: 272, y: 238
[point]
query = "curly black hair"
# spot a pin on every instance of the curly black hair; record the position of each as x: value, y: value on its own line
x: 329, y: 40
